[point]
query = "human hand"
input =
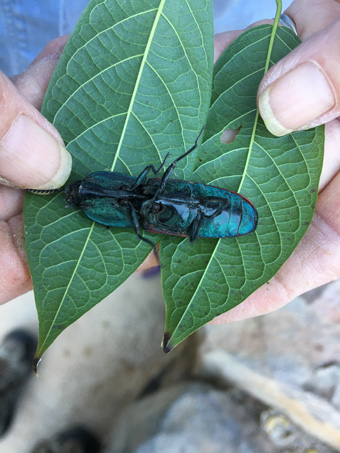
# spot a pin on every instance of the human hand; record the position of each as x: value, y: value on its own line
x: 32, y: 155
x: 35, y: 158
x: 302, y: 91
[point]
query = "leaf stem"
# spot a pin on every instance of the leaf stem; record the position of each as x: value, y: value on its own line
x: 266, y: 67
x: 274, y: 30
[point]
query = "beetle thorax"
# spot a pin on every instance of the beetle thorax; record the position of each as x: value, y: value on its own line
x: 72, y: 193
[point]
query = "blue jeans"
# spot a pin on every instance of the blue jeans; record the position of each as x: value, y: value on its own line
x: 26, y: 26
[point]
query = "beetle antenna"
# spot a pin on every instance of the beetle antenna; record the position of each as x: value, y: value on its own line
x: 136, y: 227
x: 44, y: 192
x: 172, y: 166
x: 188, y: 152
x: 154, y: 247
x: 148, y: 241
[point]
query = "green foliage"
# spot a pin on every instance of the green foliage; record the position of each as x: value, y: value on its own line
x: 133, y: 83
x: 279, y: 175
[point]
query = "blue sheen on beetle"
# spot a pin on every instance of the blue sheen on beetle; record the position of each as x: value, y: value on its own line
x: 163, y: 205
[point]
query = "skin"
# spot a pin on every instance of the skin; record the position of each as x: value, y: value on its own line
x: 314, y: 262
x: 22, y: 96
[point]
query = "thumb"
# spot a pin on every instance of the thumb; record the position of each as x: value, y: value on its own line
x: 32, y: 153
x: 303, y: 89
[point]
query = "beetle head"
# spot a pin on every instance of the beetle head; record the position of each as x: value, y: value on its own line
x: 72, y: 193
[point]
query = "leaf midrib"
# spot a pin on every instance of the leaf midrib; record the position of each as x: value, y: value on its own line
x: 252, y: 140
x: 128, y: 114
x: 140, y: 72
x: 41, y: 350
x: 85, y: 45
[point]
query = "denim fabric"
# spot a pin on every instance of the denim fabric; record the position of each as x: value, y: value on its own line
x: 237, y: 14
x: 27, y: 25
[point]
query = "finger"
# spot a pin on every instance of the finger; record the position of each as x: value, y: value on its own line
x: 223, y: 40
x: 32, y: 154
x: 11, y: 202
x: 14, y: 276
x: 151, y: 261
x: 315, y: 261
x: 303, y: 89
x: 311, y: 17
x: 331, y: 161
x: 33, y: 83
x: 52, y: 47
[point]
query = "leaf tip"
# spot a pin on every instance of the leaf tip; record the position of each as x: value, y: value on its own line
x: 35, y: 364
x: 166, y: 345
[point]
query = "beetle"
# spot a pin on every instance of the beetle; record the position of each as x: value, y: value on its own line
x: 163, y: 205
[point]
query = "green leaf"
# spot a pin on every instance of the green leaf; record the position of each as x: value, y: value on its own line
x: 133, y: 82
x: 279, y: 175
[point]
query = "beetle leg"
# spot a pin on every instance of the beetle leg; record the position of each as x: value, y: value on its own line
x: 195, y: 226
x: 136, y: 227
x: 197, y: 222
x: 214, y: 214
x: 171, y: 167
x: 217, y: 212
x: 141, y: 178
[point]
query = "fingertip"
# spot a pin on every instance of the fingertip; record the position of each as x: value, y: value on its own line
x: 30, y: 157
x: 294, y: 100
